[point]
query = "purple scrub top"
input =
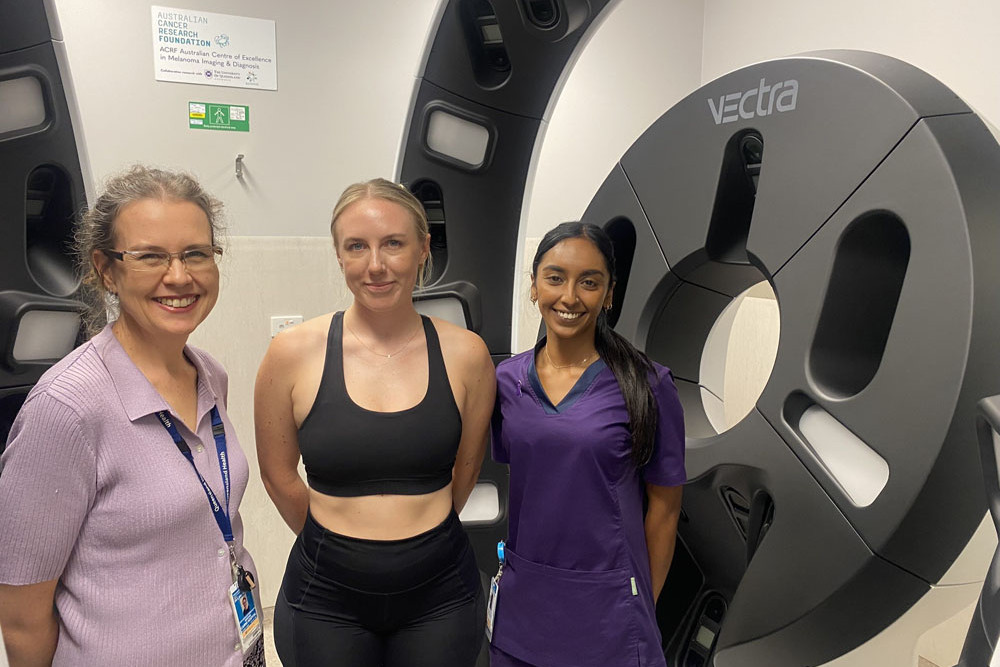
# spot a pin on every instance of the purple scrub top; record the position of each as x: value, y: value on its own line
x: 575, y: 589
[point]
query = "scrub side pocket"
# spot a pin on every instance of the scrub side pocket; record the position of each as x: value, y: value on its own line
x: 551, y: 616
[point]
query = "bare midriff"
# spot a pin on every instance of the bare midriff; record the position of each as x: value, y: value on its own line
x: 381, y: 517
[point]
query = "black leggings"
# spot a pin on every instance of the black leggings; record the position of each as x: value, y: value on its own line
x: 380, y: 603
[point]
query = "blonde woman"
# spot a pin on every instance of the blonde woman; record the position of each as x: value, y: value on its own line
x: 389, y: 411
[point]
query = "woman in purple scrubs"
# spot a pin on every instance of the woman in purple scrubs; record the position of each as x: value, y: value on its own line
x: 591, y: 429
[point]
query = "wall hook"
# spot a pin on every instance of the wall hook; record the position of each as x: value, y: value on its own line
x: 239, y: 166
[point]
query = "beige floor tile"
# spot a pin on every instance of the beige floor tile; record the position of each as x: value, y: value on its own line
x: 272, y: 656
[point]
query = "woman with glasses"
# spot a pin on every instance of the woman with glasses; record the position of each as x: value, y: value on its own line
x: 389, y: 412
x: 121, y: 541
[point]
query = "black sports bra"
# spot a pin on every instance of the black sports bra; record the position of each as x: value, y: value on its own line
x: 350, y: 451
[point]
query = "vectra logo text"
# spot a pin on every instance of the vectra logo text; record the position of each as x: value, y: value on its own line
x: 760, y: 101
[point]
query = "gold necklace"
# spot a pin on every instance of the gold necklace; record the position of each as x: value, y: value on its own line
x: 379, y: 354
x: 545, y: 350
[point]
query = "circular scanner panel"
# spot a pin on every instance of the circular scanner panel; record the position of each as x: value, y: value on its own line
x: 853, y: 184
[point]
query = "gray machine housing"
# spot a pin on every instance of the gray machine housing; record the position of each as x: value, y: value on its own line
x: 983, y: 639
x: 869, y: 202
x: 865, y: 192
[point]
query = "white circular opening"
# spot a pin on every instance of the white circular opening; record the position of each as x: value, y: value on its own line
x: 738, y: 356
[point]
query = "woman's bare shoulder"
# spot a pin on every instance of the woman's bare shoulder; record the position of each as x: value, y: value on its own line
x: 461, y: 345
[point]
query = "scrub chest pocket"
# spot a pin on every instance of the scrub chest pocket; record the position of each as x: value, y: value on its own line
x: 551, y: 616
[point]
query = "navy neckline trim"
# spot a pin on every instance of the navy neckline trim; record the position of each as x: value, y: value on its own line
x: 578, y: 390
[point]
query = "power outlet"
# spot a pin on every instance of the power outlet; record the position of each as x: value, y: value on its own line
x: 281, y: 322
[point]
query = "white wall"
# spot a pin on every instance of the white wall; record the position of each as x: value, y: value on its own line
x: 345, y: 74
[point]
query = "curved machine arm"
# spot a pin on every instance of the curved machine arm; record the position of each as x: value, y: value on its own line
x: 984, y: 632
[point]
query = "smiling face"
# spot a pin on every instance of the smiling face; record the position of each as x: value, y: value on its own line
x: 170, y: 302
x: 572, y: 285
x: 379, y: 252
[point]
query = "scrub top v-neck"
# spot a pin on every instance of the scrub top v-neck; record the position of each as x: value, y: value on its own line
x: 579, y: 387
x: 576, y: 589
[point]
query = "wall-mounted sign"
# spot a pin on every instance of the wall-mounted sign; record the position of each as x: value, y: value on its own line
x: 214, y: 49
x: 214, y: 116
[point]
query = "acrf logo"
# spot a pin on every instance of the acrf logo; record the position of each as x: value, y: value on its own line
x: 760, y: 101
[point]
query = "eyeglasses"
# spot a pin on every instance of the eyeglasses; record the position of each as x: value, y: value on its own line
x: 193, y: 259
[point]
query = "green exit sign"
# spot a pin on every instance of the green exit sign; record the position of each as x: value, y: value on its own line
x: 213, y: 116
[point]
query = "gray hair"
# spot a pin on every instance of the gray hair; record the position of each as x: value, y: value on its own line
x: 95, y: 231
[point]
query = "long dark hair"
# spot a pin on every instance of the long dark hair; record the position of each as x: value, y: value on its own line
x: 631, y: 367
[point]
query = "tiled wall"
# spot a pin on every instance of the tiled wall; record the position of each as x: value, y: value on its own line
x: 264, y: 276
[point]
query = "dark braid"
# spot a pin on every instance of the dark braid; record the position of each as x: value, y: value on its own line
x: 631, y: 367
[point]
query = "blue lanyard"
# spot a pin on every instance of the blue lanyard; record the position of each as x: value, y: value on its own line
x: 219, y: 433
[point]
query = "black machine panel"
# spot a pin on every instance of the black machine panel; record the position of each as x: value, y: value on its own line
x: 41, y: 192
x: 493, y: 64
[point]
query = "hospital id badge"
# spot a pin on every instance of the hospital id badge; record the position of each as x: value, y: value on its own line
x: 491, y: 606
x: 248, y: 621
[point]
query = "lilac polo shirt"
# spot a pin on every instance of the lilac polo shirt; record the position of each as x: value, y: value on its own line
x: 576, y: 542
x: 94, y: 492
